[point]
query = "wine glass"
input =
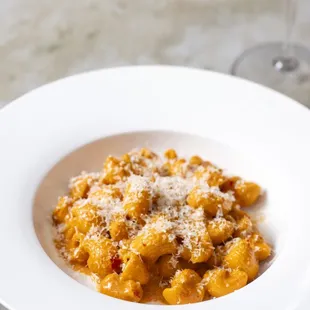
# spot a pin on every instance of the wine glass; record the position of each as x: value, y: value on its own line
x: 280, y: 65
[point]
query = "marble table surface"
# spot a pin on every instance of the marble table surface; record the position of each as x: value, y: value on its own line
x: 43, y: 40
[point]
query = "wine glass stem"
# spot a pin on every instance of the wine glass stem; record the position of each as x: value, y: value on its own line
x: 290, y: 17
x: 287, y: 62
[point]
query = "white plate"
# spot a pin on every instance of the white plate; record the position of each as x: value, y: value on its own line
x: 246, y: 128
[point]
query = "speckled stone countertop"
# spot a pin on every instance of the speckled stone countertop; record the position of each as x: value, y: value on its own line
x: 43, y: 40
